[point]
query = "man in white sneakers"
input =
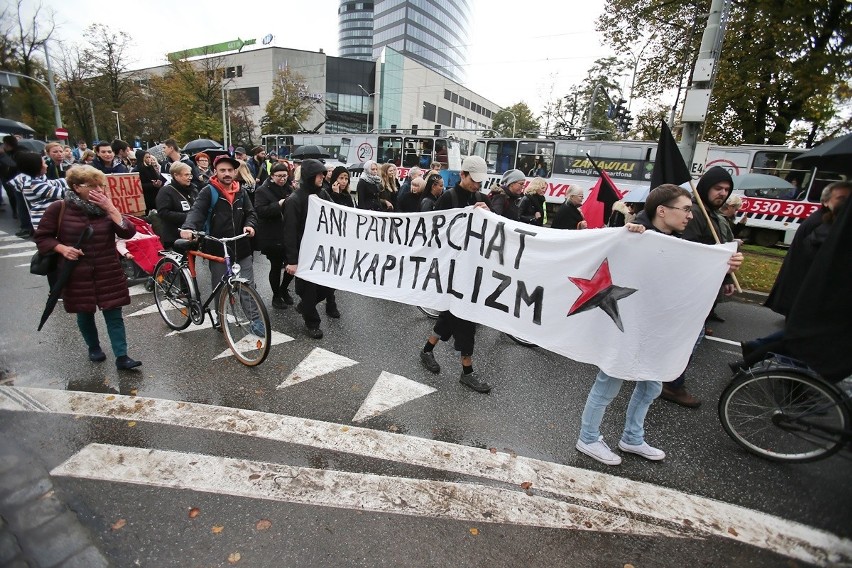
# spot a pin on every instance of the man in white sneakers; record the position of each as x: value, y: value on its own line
x: 668, y: 210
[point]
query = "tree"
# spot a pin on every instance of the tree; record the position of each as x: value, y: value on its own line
x: 74, y: 90
x: 193, y: 92
x: 776, y: 58
x: 242, y: 125
x: 648, y: 121
x: 517, y: 120
x: 571, y: 112
x: 23, y: 40
x: 288, y: 107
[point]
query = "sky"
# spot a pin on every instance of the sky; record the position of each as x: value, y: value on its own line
x: 518, y: 52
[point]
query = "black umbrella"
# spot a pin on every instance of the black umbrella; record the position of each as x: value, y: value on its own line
x: 310, y: 151
x: 31, y: 145
x: 8, y: 126
x: 200, y: 144
x: 64, y: 274
x: 834, y: 155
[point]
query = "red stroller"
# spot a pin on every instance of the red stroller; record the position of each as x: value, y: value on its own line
x: 139, y: 253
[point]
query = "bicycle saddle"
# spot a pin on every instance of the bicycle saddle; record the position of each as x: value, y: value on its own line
x: 183, y: 246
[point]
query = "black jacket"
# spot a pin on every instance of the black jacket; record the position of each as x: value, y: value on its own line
x: 642, y: 219
x: 410, y: 203
x: 295, y: 217
x: 459, y: 197
x: 428, y: 203
x: 368, y: 195
x: 529, y: 206
x: 342, y: 198
x: 270, y: 217
x: 227, y: 220
x: 568, y: 216
x: 147, y: 176
x: 505, y: 203
x: 173, y: 203
x: 115, y: 168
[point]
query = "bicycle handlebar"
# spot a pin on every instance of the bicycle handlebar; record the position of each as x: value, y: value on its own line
x: 223, y: 240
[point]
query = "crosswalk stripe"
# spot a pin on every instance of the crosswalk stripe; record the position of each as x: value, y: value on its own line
x: 19, y: 254
x: 364, y: 492
x: 701, y: 515
x: 21, y: 244
x: 319, y: 362
x: 388, y: 392
x: 244, y: 344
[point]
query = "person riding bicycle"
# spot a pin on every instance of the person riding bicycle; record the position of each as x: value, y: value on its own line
x: 223, y: 210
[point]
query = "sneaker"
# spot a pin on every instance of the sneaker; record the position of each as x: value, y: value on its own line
x: 599, y: 451
x: 97, y: 354
x: 288, y: 299
x: 679, y: 396
x: 313, y: 332
x: 24, y: 234
x: 278, y: 303
x: 643, y: 450
x: 124, y: 363
x: 428, y: 360
x: 473, y: 381
x: 332, y: 311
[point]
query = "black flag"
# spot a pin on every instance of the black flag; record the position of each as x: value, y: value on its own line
x: 668, y: 165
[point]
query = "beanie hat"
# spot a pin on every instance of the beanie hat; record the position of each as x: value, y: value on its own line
x: 511, y: 176
x: 710, y: 178
x: 256, y: 150
x: 337, y: 171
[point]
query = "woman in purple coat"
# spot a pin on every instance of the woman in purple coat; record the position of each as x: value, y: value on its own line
x: 97, y: 280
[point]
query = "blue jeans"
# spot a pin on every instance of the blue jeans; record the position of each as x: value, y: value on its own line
x: 603, y: 392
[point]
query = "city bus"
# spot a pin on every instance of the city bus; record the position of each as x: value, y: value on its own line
x: 562, y: 162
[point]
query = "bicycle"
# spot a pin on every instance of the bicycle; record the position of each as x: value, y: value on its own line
x: 783, y: 411
x: 242, y: 316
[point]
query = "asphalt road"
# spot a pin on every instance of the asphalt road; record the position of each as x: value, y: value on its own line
x: 375, y: 461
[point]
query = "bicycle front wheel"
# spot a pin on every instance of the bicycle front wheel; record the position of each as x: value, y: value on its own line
x: 782, y: 415
x: 245, y: 323
x: 172, y: 292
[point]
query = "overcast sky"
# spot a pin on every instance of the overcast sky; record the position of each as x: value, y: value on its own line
x: 519, y: 52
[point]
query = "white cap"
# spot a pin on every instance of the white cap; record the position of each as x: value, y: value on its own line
x: 476, y: 167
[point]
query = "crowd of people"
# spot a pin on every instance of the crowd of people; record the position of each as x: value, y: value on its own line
x: 55, y: 196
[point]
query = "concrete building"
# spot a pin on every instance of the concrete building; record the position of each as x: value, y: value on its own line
x: 350, y: 95
x: 433, y: 33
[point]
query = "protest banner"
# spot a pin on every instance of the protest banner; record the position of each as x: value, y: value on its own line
x: 125, y: 190
x: 632, y: 304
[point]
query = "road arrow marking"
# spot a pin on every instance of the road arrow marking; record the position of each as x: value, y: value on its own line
x: 702, y: 516
x: 18, y: 245
x: 19, y: 254
x: 138, y: 289
x: 152, y: 309
x: 389, y: 391
x: 339, y: 489
x: 319, y: 362
x: 246, y: 344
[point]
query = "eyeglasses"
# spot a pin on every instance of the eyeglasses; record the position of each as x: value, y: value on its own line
x: 93, y: 185
x: 687, y: 209
x: 279, y: 176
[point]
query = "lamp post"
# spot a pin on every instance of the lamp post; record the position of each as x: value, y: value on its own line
x: 94, y: 124
x: 371, y: 95
x: 514, y: 120
x: 636, y: 66
x: 117, y: 123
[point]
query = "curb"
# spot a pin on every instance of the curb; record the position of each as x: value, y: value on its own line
x: 750, y: 296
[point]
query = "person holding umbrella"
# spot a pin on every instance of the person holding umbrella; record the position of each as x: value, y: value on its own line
x: 95, y: 279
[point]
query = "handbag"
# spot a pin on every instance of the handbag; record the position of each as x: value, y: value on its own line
x: 44, y: 264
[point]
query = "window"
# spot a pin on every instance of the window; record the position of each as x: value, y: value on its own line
x: 448, y: 95
x: 500, y: 156
x: 429, y: 111
x: 455, y: 99
x: 535, y: 158
x: 251, y: 95
x: 390, y: 150
x: 445, y: 117
x: 231, y: 72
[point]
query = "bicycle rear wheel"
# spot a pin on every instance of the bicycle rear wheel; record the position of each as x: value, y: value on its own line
x: 172, y: 293
x: 783, y: 415
x: 245, y: 323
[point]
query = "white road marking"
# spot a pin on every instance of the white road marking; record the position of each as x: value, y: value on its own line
x: 329, y: 488
x: 4, y: 233
x: 18, y: 245
x: 10, y: 238
x: 152, y: 309
x: 699, y: 515
x: 245, y: 344
x: 389, y: 391
x: 138, y: 289
x: 319, y: 362
x: 720, y: 340
x: 27, y: 264
x: 208, y: 324
x: 19, y: 254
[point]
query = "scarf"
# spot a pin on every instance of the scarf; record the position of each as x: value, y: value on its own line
x: 90, y: 209
x: 377, y: 180
x: 227, y: 192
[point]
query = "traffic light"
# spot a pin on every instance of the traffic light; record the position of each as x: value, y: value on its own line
x: 616, y: 109
x: 625, y: 121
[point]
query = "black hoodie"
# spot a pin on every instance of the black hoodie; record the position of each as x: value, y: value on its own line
x: 698, y: 230
x: 296, y: 212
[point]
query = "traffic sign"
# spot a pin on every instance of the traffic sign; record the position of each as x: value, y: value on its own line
x: 61, y: 133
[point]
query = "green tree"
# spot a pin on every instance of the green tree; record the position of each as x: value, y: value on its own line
x: 569, y: 114
x: 288, y: 107
x: 776, y: 58
x: 518, y: 119
x: 193, y: 94
x: 647, y: 122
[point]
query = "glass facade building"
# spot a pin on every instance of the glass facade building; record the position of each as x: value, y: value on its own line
x: 432, y: 32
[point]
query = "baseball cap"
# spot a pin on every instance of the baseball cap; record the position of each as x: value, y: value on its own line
x: 475, y: 166
x: 239, y: 150
x: 226, y: 158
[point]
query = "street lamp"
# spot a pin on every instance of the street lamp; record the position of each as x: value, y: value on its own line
x: 636, y: 66
x: 514, y: 120
x: 367, y: 124
x: 94, y: 124
x: 117, y: 123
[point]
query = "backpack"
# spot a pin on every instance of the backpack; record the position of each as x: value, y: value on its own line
x: 214, y: 197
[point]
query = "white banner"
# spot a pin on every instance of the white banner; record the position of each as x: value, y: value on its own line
x: 632, y: 304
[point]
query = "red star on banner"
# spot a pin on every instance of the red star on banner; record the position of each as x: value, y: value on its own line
x: 599, y: 292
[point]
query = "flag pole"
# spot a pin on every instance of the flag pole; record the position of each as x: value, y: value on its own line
x: 712, y: 228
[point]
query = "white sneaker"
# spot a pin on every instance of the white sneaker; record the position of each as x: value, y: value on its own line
x: 599, y: 451
x: 643, y: 450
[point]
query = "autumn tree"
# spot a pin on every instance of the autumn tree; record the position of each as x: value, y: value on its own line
x: 242, y: 124
x: 776, y: 59
x: 193, y: 91
x: 517, y: 120
x: 75, y: 91
x: 289, y: 106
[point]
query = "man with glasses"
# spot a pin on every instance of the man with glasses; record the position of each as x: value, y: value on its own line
x: 466, y: 192
x: 668, y: 210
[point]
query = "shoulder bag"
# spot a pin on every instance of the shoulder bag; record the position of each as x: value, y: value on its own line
x: 44, y: 264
